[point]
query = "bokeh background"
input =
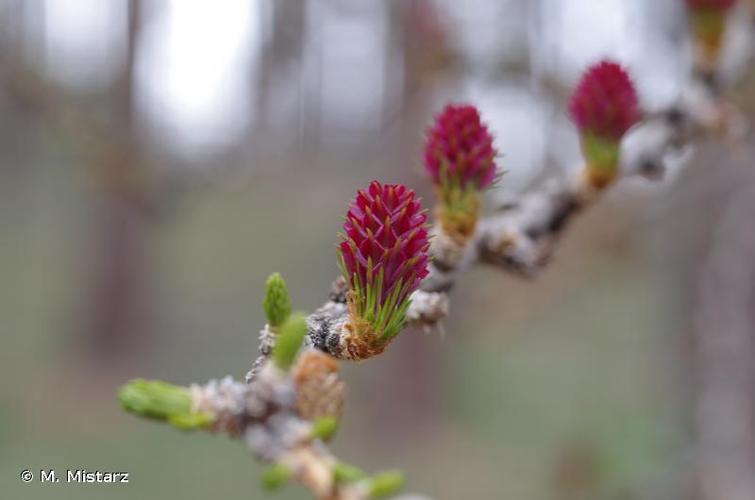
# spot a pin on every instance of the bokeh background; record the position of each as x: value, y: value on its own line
x: 159, y: 158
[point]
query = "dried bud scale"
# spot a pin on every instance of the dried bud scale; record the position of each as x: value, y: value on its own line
x: 604, y: 106
x: 383, y: 257
x: 319, y: 388
x: 225, y: 399
x: 459, y: 158
x: 428, y: 308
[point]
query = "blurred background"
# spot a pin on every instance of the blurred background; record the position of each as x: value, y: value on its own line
x: 159, y: 158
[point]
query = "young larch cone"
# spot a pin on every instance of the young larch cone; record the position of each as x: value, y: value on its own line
x: 603, y: 106
x: 383, y: 256
x: 319, y: 388
x: 707, y: 20
x: 460, y: 159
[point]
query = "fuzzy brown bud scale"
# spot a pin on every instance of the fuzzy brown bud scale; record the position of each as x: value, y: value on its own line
x: 319, y: 388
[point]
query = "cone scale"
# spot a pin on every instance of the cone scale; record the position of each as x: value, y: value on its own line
x: 459, y: 158
x: 383, y: 257
x: 604, y: 107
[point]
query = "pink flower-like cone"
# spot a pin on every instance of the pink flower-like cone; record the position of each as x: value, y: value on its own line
x: 383, y: 256
x: 603, y: 107
x: 707, y: 20
x: 460, y: 159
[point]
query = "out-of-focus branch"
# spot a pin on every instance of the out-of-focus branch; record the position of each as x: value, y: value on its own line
x: 284, y: 417
x: 520, y: 237
x: 279, y: 412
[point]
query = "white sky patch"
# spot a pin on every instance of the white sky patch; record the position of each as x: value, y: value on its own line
x: 346, y: 66
x: 517, y: 118
x: 578, y: 33
x: 83, y: 40
x: 194, y: 75
x: 585, y: 31
x: 488, y: 31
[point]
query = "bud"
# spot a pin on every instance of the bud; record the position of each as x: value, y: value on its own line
x: 383, y: 256
x: 385, y: 484
x: 275, y: 477
x: 603, y: 107
x: 721, y: 5
x: 162, y: 401
x: 319, y: 388
x: 345, y: 473
x: 707, y: 20
x: 289, y: 341
x: 324, y: 428
x: 460, y: 160
x: 276, y: 303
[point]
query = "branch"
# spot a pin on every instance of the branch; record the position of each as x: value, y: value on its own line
x: 293, y: 397
x: 284, y: 418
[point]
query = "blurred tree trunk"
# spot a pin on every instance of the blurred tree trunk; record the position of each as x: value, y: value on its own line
x: 109, y: 151
x: 118, y: 292
x: 713, y: 239
x: 281, y: 56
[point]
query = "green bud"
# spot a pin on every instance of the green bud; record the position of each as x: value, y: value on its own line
x: 289, y: 341
x: 162, y: 401
x: 385, y: 484
x: 155, y: 399
x: 276, y: 303
x: 275, y: 477
x: 345, y: 473
x: 324, y: 428
x: 601, y: 153
x: 191, y: 421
